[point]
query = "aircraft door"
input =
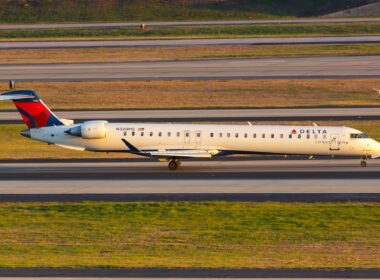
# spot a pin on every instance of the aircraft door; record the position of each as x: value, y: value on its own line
x: 334, y: 142
x: 186, y: 134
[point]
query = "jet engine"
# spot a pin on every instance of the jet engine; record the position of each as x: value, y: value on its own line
x: 89, y: 130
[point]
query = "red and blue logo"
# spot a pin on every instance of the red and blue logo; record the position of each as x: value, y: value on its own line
x: 33, y: 111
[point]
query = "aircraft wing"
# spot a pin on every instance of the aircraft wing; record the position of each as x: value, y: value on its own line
x: 181, y: 153
x: 177, y: 153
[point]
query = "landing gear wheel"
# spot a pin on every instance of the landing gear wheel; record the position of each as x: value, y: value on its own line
x: 363, y: 163
x: 173, y: 164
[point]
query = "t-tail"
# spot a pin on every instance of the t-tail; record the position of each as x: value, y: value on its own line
x: 33, y: 110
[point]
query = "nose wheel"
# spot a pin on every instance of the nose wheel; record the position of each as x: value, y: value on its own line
x: 174, y: 164
x: 363, y: 162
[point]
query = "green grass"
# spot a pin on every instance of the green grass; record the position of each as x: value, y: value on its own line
x: 105, y: 10
x: 15, y: 146
x: 199, y: 31
x: 190, y: 235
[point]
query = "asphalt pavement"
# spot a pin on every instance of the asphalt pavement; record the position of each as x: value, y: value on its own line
x: 186, y: 42
x: 266, y: 68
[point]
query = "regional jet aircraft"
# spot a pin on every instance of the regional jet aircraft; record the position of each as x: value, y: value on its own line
x: 173, y: 142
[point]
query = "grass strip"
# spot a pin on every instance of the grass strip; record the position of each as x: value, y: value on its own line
x: 14, y: 146
x: 28, y: 56
x: 220, y: 31
x: 156, y: 10
x: 190, y: 235
x: 202, y: 94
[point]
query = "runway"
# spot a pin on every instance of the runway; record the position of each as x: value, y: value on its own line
x: 192, y: 170
x: 186, y: 42
x: 328, y: 180
x: 183, y: 23
x: 271, y: 68
x: 221, y: 115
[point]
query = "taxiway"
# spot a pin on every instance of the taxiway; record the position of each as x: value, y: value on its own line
x: 186, y: 42
x: 266, y: 68
x: 190, y: 115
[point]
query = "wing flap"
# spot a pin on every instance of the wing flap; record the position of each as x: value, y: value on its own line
x: 182, y: 154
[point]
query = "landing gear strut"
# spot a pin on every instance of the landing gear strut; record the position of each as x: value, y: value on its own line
x: 363, y: 162
x: 174, y: 164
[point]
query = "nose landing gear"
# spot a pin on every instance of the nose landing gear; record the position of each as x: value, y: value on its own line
x: 363, y: 162
x: 174, y: 164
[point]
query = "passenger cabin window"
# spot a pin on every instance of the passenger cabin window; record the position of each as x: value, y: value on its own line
x: 245, y: 135
x: 281, y: 135
x: 220, y: 135
x: 125, y: 133
x: 198, y: 134
x: 151, y: 134
x: 187, y: 134
x: 169, y: 134
x: 299, y: 136
x: 211, y: 134
x: 228, y: 135
x: 236, y: 135
x: 178, y: 134
x: 290, y: 136
x: 254, y: 135
x: 358, y: 135
x: 133, y: 133
x: 263, y: 135
x: 272, y: 136
x: 160, y: 134
x: 142, y: 133
x: 307, y: 136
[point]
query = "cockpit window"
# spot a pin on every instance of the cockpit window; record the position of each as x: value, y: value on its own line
x: 358, y: 135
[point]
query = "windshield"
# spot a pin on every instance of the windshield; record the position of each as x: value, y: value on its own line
x: 358, y: 135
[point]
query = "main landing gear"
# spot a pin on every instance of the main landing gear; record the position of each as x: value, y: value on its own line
x: 363, y: 162
x: 174, y: 164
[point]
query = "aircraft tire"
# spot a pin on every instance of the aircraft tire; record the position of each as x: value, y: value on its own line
x: 173, y: 164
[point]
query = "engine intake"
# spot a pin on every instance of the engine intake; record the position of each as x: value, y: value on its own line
x: 89, y: 130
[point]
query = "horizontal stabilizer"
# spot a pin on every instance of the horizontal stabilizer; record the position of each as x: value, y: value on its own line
x: 16, y: 96
x: 67, y: 122
x: 182, y: 154
x: 375, y: 156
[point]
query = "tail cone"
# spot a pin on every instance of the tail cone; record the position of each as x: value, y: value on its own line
x: 26, y: 133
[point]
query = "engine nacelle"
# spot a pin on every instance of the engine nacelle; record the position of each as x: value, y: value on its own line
x: 89, y: 130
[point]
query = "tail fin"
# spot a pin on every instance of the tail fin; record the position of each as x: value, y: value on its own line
x: 33, y: 110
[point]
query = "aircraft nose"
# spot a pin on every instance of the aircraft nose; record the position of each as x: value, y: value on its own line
x: 25, y: 133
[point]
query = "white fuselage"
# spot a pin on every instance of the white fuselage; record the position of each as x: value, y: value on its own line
x: 218, y: 139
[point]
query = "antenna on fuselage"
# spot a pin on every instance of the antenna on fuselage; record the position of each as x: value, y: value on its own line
x: 249, y: 123
x: 315, y: 124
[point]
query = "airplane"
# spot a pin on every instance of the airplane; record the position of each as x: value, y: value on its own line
x: 174, y: 142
